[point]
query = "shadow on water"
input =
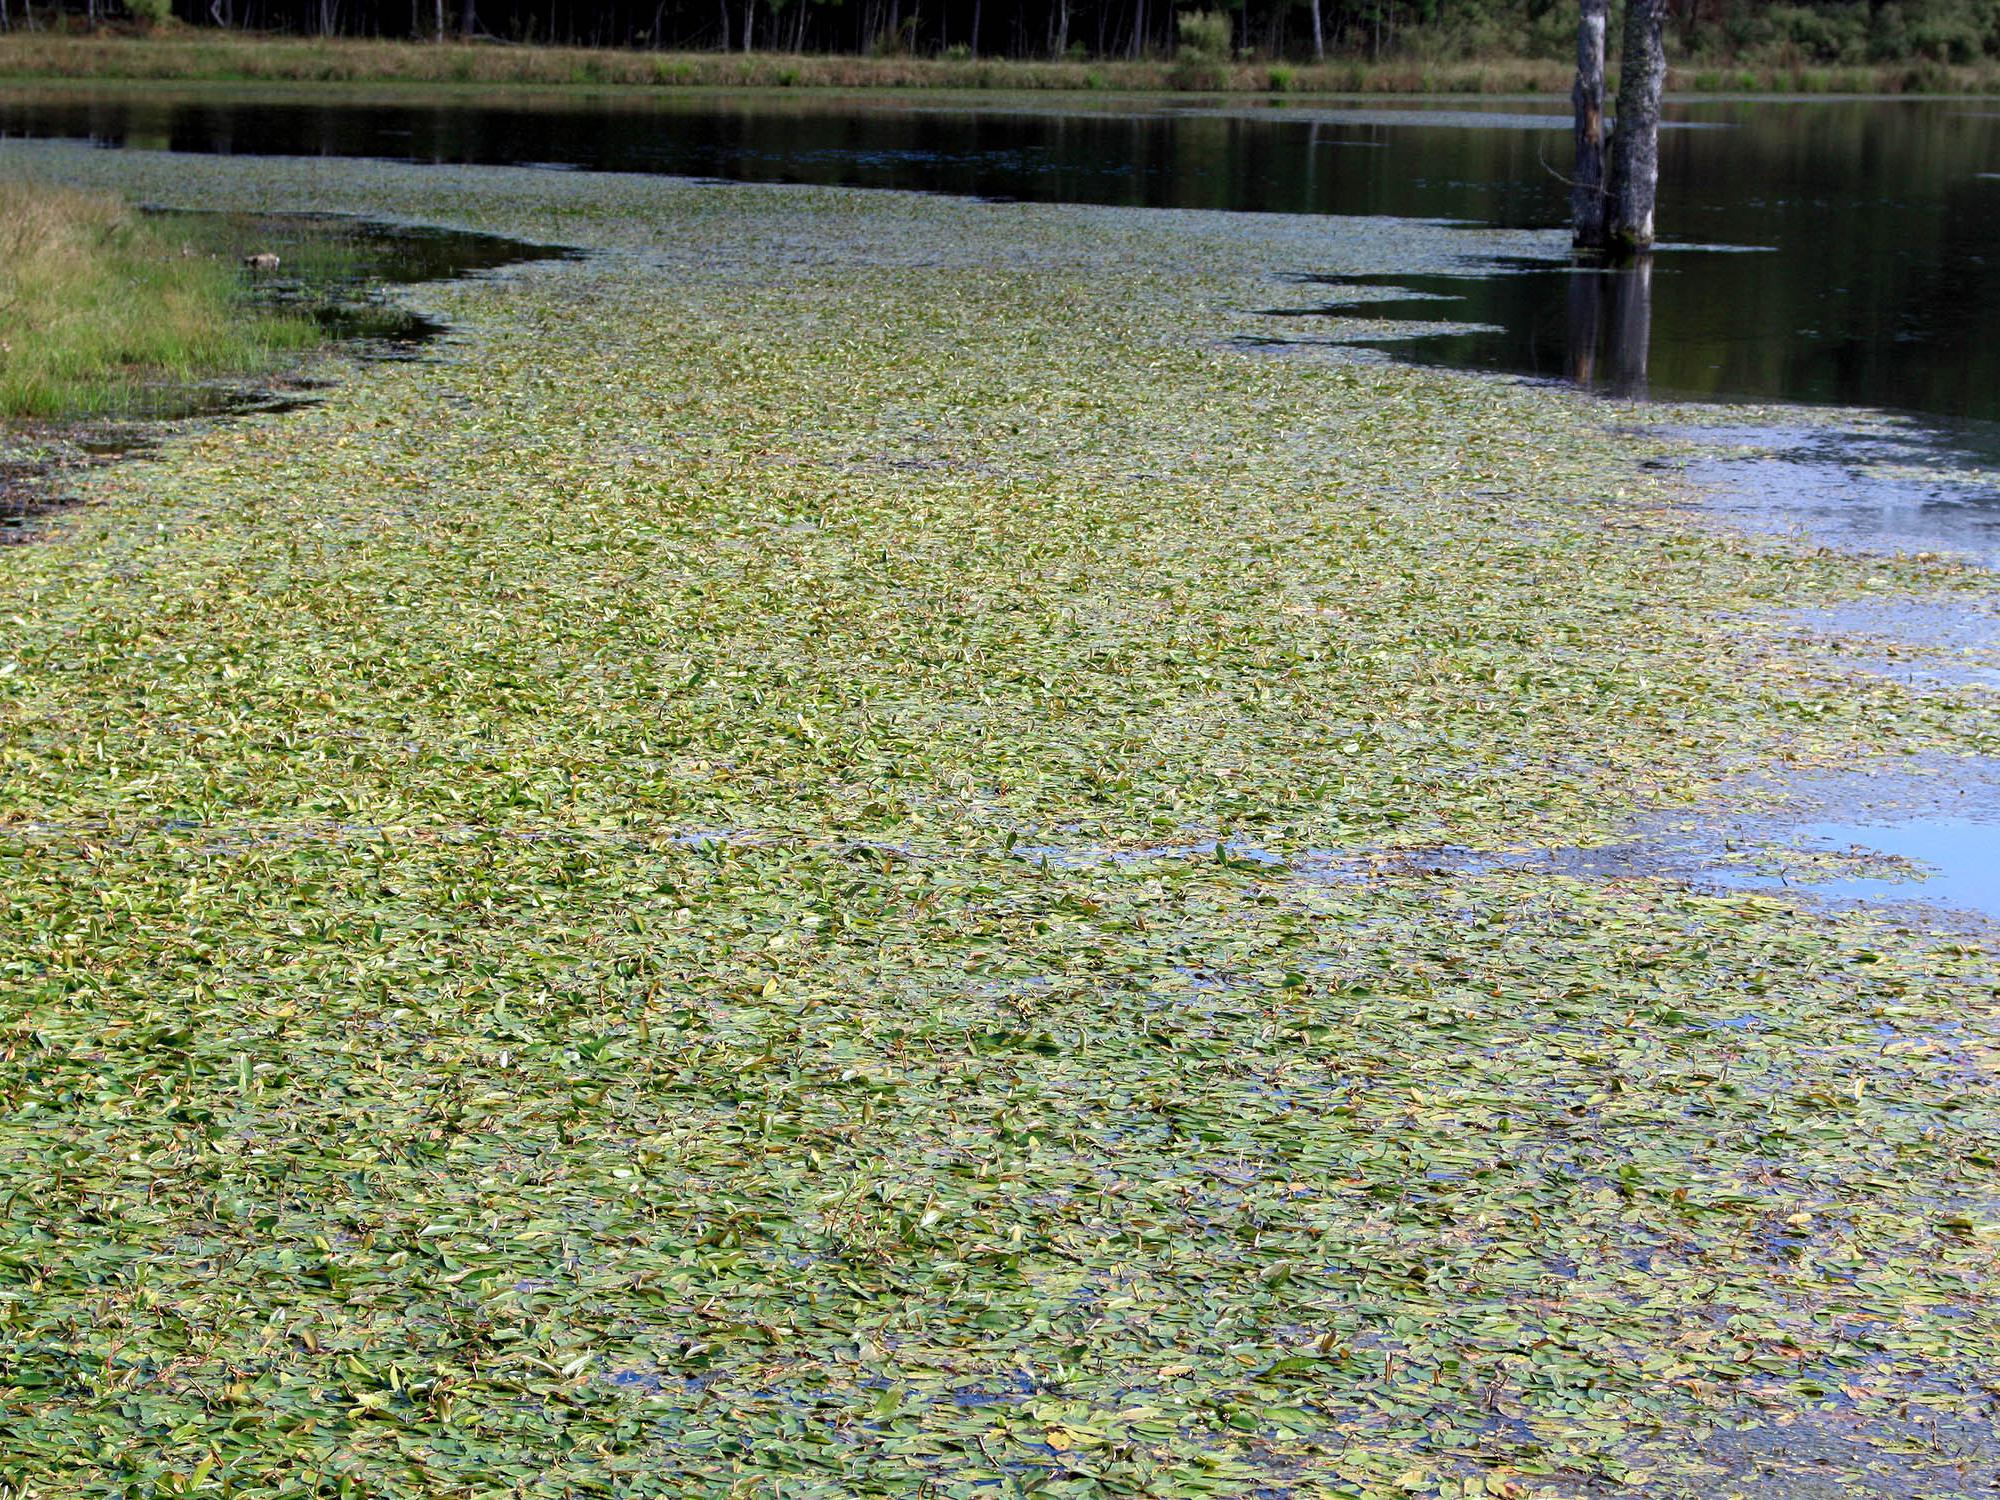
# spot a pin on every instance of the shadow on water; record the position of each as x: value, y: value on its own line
x: 1926, y: 485
x: 1677, y: 325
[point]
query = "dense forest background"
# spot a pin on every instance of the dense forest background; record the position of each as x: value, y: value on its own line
x: 1809, y: 31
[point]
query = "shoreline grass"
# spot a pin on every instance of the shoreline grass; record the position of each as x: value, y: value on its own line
x: 96, y: 304
x: 236, y: 58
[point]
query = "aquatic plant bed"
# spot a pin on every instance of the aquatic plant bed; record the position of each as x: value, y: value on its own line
x: 533, y: 964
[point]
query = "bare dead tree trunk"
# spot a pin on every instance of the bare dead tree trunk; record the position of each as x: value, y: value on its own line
x: 1635, y: 143
x: 437, y: 16
x: 973, y: 42
x: 1586, y: 194
x: 723, y: 5
x: 1319, y: 34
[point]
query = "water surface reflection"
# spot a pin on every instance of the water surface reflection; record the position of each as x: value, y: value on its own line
x: 1875, y: 279
x: 1595, y: 331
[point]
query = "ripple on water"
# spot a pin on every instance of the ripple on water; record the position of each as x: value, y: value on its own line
x: 1951, y: 862
x: 1922, y: 643
x: 1897, y: 488
x: 1926, y: 834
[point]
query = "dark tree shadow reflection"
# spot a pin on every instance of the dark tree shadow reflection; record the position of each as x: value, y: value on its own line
x: 1610, y: 327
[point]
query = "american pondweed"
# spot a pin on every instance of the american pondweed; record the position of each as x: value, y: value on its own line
x: 408, y: 1087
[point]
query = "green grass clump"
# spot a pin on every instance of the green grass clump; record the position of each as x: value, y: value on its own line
x: 97, y: 304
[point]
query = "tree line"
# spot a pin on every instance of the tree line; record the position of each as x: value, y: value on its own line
x: 1821, y: 31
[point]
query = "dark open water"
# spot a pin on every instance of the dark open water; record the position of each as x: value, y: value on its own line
x: 1861, y: 259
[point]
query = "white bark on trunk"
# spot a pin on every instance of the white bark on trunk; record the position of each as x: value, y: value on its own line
x: 1586, y: 198
x: 1635, y: 143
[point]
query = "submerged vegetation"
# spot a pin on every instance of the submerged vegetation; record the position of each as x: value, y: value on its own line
x: 637, y: 910
x: 96, y: 305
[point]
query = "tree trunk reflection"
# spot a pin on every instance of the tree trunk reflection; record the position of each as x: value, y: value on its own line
x: 1610, y: 327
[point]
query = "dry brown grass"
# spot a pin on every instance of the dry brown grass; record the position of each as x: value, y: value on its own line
x: 212, y: 57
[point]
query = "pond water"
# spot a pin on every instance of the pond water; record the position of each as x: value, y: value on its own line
x: 332, y: 268
x: 1951, y: 861
x: 1927, y: 833
x: 1824, y: 250
x: 1902, y: 490
x: 1841, y: 252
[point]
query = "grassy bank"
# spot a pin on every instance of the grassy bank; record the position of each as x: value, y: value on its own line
x: 96, y: 304
x: 626, y: 911
x: 237, y: 58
